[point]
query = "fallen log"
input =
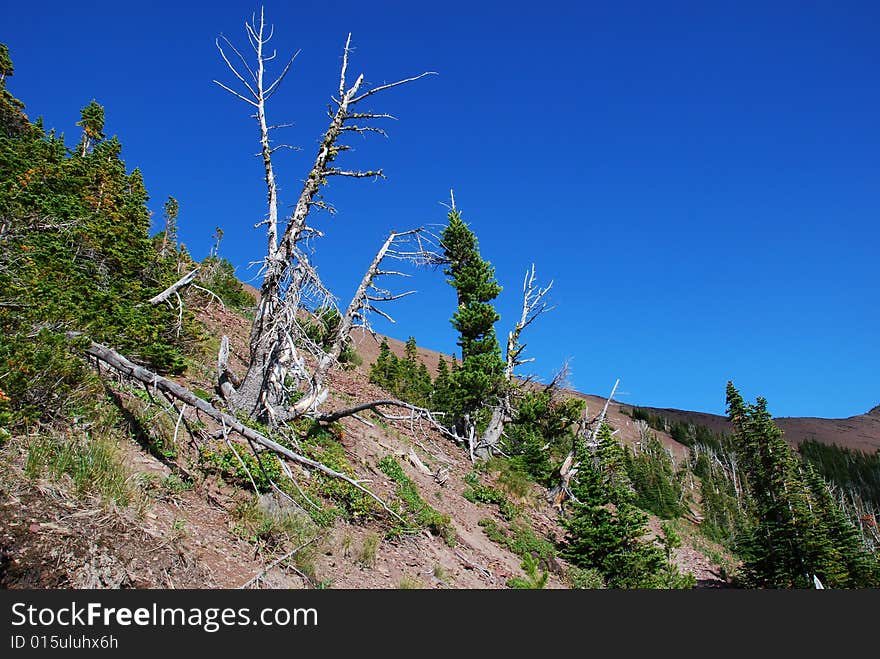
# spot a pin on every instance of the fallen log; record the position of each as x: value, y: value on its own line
x: 171, y: 388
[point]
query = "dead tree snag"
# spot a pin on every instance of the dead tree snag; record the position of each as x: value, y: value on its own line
x: 534, y: 305
x: 290, y: 282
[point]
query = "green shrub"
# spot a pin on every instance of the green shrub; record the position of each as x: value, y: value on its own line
x: 408, y: 582
x: 479, y: 493
x: 276, y: 531
x: 585, y: 578
x: 424, y: 515
x: 239, y: 465
x: 532, y: 580
x: 519, y: 538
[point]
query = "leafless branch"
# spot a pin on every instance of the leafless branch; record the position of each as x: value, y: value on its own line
x: 382, y: 88
x: 354, y: 174
x: 184, y: 281
x: 290, y: 283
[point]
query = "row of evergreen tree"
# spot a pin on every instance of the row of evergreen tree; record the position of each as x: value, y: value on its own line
x: 771, y: 508
x: 77, y: 256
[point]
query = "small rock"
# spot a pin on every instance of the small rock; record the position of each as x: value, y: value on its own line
x: 34, y: 528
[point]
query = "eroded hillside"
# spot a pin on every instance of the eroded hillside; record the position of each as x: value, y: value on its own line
x: 184, y: 522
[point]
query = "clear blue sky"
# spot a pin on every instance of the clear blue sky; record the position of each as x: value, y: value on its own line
x: 700, y: 179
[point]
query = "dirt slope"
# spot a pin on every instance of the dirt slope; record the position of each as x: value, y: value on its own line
x: 861, y: 432
x: 51, y: 538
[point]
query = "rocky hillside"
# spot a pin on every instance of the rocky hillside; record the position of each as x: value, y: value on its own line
x: 182, y: 524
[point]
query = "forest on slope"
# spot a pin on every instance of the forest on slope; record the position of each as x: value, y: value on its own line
x: 108, y: 337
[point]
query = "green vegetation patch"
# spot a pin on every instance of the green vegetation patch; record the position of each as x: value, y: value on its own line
x: 424, y: 516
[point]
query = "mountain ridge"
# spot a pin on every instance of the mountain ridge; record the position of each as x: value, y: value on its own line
x: 860, y: 432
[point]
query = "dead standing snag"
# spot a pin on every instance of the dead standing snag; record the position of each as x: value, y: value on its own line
x: 290, y: 281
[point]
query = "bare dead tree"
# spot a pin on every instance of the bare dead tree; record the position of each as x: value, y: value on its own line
x: 290, y: 281
x: 364, y: 301
x: 284, y: 360
x: 534, y: 305
x: 569, y: 467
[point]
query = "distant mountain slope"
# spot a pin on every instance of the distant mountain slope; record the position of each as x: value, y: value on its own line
x: 861, y: 432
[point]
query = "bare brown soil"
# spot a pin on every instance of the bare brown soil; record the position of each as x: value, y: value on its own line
x: 49, y: 538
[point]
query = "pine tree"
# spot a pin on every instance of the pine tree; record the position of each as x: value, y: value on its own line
x: 773, y: 548
x: 169, y: 235
x: 92, y: 123
x: 423, y: 383
x: 606, y: 529
x: 477, y: 383
x: 6, y: 68
x: 657, y: 483
x: 440, y: 389
x: 384, y: 371
x: 82, y: 221
x: 835, y: 549
x: 13, y: 121
x: 795, y: 530
x: 406, y: 378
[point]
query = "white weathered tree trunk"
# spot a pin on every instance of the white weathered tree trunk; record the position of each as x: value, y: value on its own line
x: 534, y: 305
x: 289, y: 280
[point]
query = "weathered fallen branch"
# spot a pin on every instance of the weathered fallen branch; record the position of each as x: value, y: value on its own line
x: 278, y: 562
x: 184, y: 281
x: 171, y: 388
x: 374, y: 405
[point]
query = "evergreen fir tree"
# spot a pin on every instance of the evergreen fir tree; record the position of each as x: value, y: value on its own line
x: 836, y: 551
x: 657, y: 483
x: 773, y: 547
x: 424, y: 386
x: 169, y: 235
x: 795, y: 530
x: 477, y: 383
x: 6, y: 68
x: 384, y: 371
x: 92, y: 123
x: 13, y: 121
x: 440, y: 390
x: 82, y: 222
x: 606, y: 529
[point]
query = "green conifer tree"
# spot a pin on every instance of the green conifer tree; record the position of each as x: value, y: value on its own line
x: 440, y: 390
x: 605, y: 530
x: 169, y: 235
x: 795, y: 531
x: 83, y: 226
x: 92, y: 123
x: 478, y: 381
x: 13, y: 120
x: 6, y: 68
x: 384, y: 371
